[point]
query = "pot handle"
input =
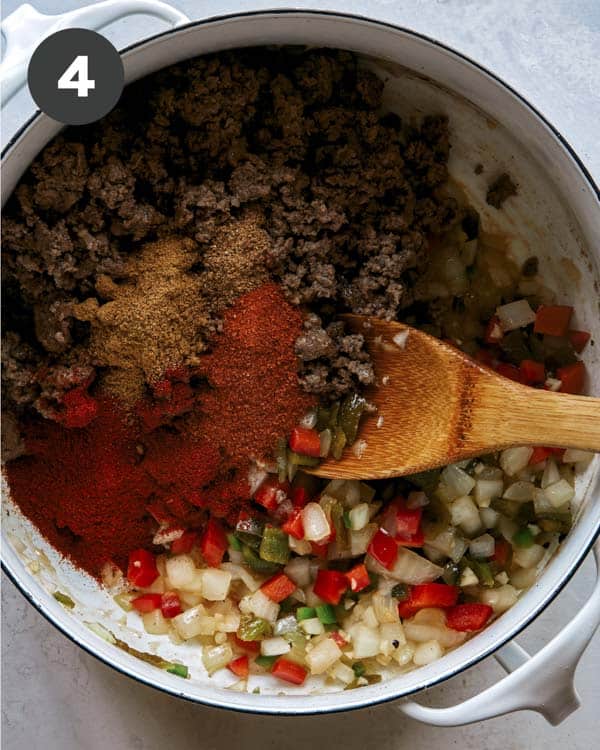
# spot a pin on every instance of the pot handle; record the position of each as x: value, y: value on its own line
x: 26, y: 27
x: 543, y: 683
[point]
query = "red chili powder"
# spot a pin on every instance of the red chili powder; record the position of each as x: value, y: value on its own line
x: 89, y: 489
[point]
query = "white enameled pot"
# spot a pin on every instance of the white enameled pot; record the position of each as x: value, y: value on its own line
x: 556, y: 217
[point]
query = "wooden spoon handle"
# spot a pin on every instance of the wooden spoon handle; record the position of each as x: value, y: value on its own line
x: 512, y: 414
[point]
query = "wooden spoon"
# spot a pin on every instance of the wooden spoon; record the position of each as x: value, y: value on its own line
x: 436, y: 406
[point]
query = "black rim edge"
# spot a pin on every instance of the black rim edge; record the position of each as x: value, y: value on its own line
x: 376, y: 701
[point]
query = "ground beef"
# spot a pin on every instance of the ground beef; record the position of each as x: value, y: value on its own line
x: 349, y: 196
x: 500, y: 189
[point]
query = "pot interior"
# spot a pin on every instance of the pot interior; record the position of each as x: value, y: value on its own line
x: 552, y: 219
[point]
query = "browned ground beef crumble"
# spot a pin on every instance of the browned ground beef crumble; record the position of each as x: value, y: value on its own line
x: 347, y: 193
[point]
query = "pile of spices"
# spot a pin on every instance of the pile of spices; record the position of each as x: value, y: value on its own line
x: 93, y: 489
x: 154, y: 320
x: 234, y: 262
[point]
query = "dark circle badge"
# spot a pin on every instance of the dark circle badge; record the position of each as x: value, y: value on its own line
x: 76, y: 76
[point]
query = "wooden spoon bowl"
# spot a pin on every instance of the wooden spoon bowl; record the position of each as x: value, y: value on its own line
x: 436, y: 406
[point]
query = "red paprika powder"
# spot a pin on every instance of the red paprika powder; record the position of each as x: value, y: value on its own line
x: 96, y: 489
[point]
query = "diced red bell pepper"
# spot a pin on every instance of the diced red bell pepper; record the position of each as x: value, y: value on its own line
x: 141, y: 570
x: 468, y: 617
x: 532, y: 372
x: 240, y: 666
x: 271, y: 493
x: 553, y: 320
x: 358, y: 577
x: 252, y: 647
x: 428, y: 595
x: 185, y: 543
x: 502, y: 550
x: 485, y: 357
x: 213, y: 543
x: 278, y: 587
x: 509, y: 371
x: 383, y: 548
x: 289, y: 671
x: 305, y: 441
x: 578, y: 340
x: 170, y: 604
x: 294, y: 526
x: 572, y: 377
x: 402, y: 522
x: 338, y: 638
x: 299, y: 497
x: 330, y: 586
x: 320, y: 549
x: 541, y: 453
x: 493, y: 332
x: 146, y: 603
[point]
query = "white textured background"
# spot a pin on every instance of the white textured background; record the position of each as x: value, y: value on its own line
x: 55, y: 696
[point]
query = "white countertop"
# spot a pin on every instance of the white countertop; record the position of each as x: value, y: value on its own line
x: 56, y: 696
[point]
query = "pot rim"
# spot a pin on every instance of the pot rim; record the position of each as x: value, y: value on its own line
x: 368, y: 696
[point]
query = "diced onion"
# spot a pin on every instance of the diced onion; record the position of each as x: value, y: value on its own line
x: 500, y: 599
x: 457, y: 481
x: 468, y: 578
x: 309, y: 420
x: 427, y: 652
x: 551, y: 474
x: 360, y: 540
x: 239, y: 572
x: 482, y: 546
x: 521, y: 492
x: 464, y: 513
x: 316, y: 525
x: 507, y: 527
x: 385, y: 608
x: 286, y: 625
x: 489, y: 517
x: 515, y: 315
x: 298, y: 569
x: 215, y: 584
x: 299, y: 546
x: 359, y: 516
x: 391, y: 636
x: 180, y: 570
x: 260, y: 605
x: 486, y: 490
x: 359, y: 447
x: 365, y: 641
x: 512, y: 460
x: 417, y: 500
x: 559, y: 493
x: 343, y: 673
x: 325, y: 439
x: 189, y: 623
x: 575, y: 456
x: 430, y: 624
x: 408, y: 568
x: 312, y: 626
x: 154, y: 623
x: 523, y: 578
x: 216, y: 657
x: 401, y: 338
x: 552, y: 384
x: 323, y: 656
x: 528, y: 557
x: 274, y: 646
